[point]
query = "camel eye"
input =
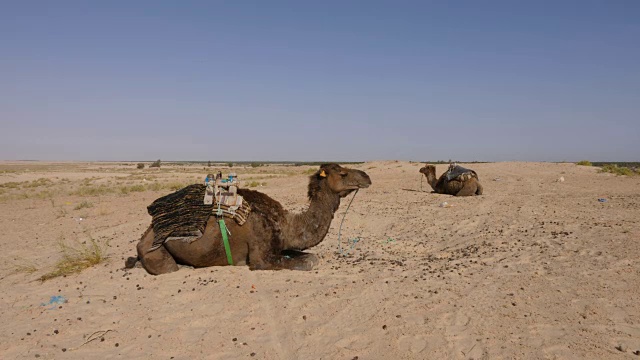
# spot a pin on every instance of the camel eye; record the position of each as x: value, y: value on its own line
x: 343, y: 174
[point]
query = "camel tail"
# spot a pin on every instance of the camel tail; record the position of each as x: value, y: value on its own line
x: 131, y: 262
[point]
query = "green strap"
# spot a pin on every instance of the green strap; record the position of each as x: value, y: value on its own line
x: 225, y: 240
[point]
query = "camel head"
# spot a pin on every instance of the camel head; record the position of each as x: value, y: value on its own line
x: 428, y: 170
x: 337, y: 179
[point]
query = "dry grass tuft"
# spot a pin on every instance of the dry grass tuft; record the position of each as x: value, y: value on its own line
x: 25, y: 268
x: 89, y: 190
x: 37, y: 183
x: 82, y: 205
x: 77, y: 258
x: 132, y: 188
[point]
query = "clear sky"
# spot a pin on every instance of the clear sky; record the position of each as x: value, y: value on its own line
x: 320, y: 80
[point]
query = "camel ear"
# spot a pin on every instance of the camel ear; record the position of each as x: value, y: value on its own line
x: 323, y: 174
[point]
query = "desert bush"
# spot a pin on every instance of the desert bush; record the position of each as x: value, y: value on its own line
x: 77, y: 258
x: 156, y: 186
x: 44, y: 194
x: 83, y: 205
x: 230, y: 164
x: 584, y: 163
x: 156, y: 163
x: 10, y: 185
x: 36, y: 183
x: 140, y: 166
x: 617, y: 170
x: 132, y: 188
x: 253, y: 184
x: 93, y: 190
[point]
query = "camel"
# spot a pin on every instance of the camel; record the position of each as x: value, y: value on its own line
x: 466, y: 184
x: 271, y: 239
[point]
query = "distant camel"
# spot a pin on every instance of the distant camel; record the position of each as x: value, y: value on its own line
x: 271, y: 239
x: 456, y: 181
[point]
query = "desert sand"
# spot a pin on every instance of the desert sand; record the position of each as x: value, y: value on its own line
x: 533, y: 269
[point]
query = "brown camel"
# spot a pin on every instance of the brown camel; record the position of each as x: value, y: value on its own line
x: 466, y: 184
x: 271, y: 239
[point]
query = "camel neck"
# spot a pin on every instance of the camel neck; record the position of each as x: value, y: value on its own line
x: 431, y: 179
x: 308, y: 229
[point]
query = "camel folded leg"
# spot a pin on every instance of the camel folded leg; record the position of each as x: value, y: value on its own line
x: 158, y: 261
x: 479, y: 190
x: 469, y: 188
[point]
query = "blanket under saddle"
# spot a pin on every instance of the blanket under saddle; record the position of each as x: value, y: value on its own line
x: 183, y: 214
x: 456, y: 171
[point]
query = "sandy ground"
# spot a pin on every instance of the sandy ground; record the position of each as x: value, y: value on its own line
x: 534, y: 269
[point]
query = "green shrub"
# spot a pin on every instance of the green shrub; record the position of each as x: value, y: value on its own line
x: 140, y: 166
x: 584, y: 163
x: 617, y: 170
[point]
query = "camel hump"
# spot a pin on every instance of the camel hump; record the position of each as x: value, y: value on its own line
x: 262, y: 203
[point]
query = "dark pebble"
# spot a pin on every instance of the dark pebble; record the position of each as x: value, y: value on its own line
x: 56, y: 331
x: 235, y: 339
x: 64, y: 349
x: 253, y: 354
x: 304, y: 317
x: 384, y: 327
x: 117, y: 344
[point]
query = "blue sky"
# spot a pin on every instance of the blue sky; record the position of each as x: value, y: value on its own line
x: 320, y: 80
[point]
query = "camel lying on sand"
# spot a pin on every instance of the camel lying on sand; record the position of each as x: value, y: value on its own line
x: 271, y: 239
x: 456, y: 181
